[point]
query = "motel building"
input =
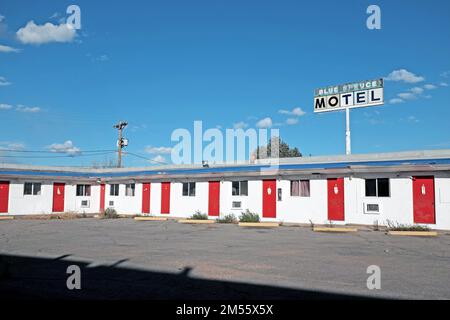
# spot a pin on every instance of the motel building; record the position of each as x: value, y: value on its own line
x: 407, y: 188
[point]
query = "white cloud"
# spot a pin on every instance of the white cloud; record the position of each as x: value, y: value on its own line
x: 158, y: 150
x: 8, y: 49
x: 430, y: 86
x: 396, y: 101
x: 6, y: 145
x: 240, y: 125
x: 66, y: 147
x: 2, y: 17
x: 412, y: 119
x: 39, y: 34
x: 103, y: 58
x: 159, y: 158
x: 404, y: 76
x: 4, y: 106
x: 407, y: 96
x: 417, y: 90
x: 292, y: 121
x: 4, y: 82
x: 294, y: 112
x: 445, y: 74
x: 443, y: 84
x: 264, y: 123
x: 22, y: 108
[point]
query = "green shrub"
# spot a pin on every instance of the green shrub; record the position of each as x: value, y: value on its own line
x: 199, y: 216
x: 248, y: 216
x: 395, y: 226
x: 109, y: 213
x: 229, y: 218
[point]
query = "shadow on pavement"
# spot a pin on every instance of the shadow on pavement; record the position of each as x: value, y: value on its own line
x: 42, y: 278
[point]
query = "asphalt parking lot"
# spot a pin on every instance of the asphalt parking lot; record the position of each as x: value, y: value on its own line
x: 123, y: 258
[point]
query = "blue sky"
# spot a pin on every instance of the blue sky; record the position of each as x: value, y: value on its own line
x: 160, y: 65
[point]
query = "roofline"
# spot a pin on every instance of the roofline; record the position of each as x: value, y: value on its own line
x: 427, y: 160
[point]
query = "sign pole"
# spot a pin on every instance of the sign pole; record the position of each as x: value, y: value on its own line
x: 348, y: 146
x: 359, y: 94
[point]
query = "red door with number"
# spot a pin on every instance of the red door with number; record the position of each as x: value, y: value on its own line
x: 423, y: 200
x: 165, y: 197
x: 146, y: 198
x: 102, y: 197
x: 214, y: 198
x: 269, y: 199
x: 4, y: 196
x: 58, y: 197
x: 336, y: 209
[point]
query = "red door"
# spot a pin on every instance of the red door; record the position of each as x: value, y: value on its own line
x: 102, y: 197
x: 58, y: 197
x: 214, y: 198
x: 423, y: 200
x: 336, y: 209
x: 146, y: 198
x: 269, y: 199
x: 165, y: 197
x: 4, y: 196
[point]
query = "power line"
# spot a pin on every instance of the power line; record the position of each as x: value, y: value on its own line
x: 57, y: 156
x: 145, y: 158
x: 49, y: 151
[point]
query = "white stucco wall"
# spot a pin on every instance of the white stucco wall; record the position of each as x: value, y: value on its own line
x: 185, y: 206
x: 124, y: 204
x: 21, y: 204
x: 303, y: 209
x: 72, y: 203
x: 442, y: 190
x: 252, y: 202
x: 397, y: 208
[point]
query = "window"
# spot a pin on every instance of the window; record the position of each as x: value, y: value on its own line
x: 32, y: 188
x: 114, y: 190
x: 300, y: 188
x: 129, y: 189
x: 377, y: 187
x: 239, y: 188
x: 83, y: 190
x: 189, y: 189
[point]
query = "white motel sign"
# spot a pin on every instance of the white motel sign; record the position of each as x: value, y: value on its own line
x: 346, y: 96
x: 352, y: 95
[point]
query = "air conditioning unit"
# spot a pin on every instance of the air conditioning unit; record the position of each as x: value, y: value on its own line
x: 236, y: 205
x: 85, y: 203
x: 372, y: 208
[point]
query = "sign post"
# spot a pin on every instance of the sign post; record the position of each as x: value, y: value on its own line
x: 347, y: 96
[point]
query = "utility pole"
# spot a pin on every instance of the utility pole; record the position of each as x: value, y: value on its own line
x: 121, y: 142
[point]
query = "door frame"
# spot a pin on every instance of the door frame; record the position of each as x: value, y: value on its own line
x: 146, y: 193
x: 55, y: 184
x: 211, y: 207
x: 433, y: 204
x: 269, y: 201
x: 6, y: 204
x: 165, y: 198
x: 331, y: 213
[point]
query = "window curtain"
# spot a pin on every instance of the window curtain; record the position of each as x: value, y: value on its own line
x: 304, y: 188
x: 295, y: 188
